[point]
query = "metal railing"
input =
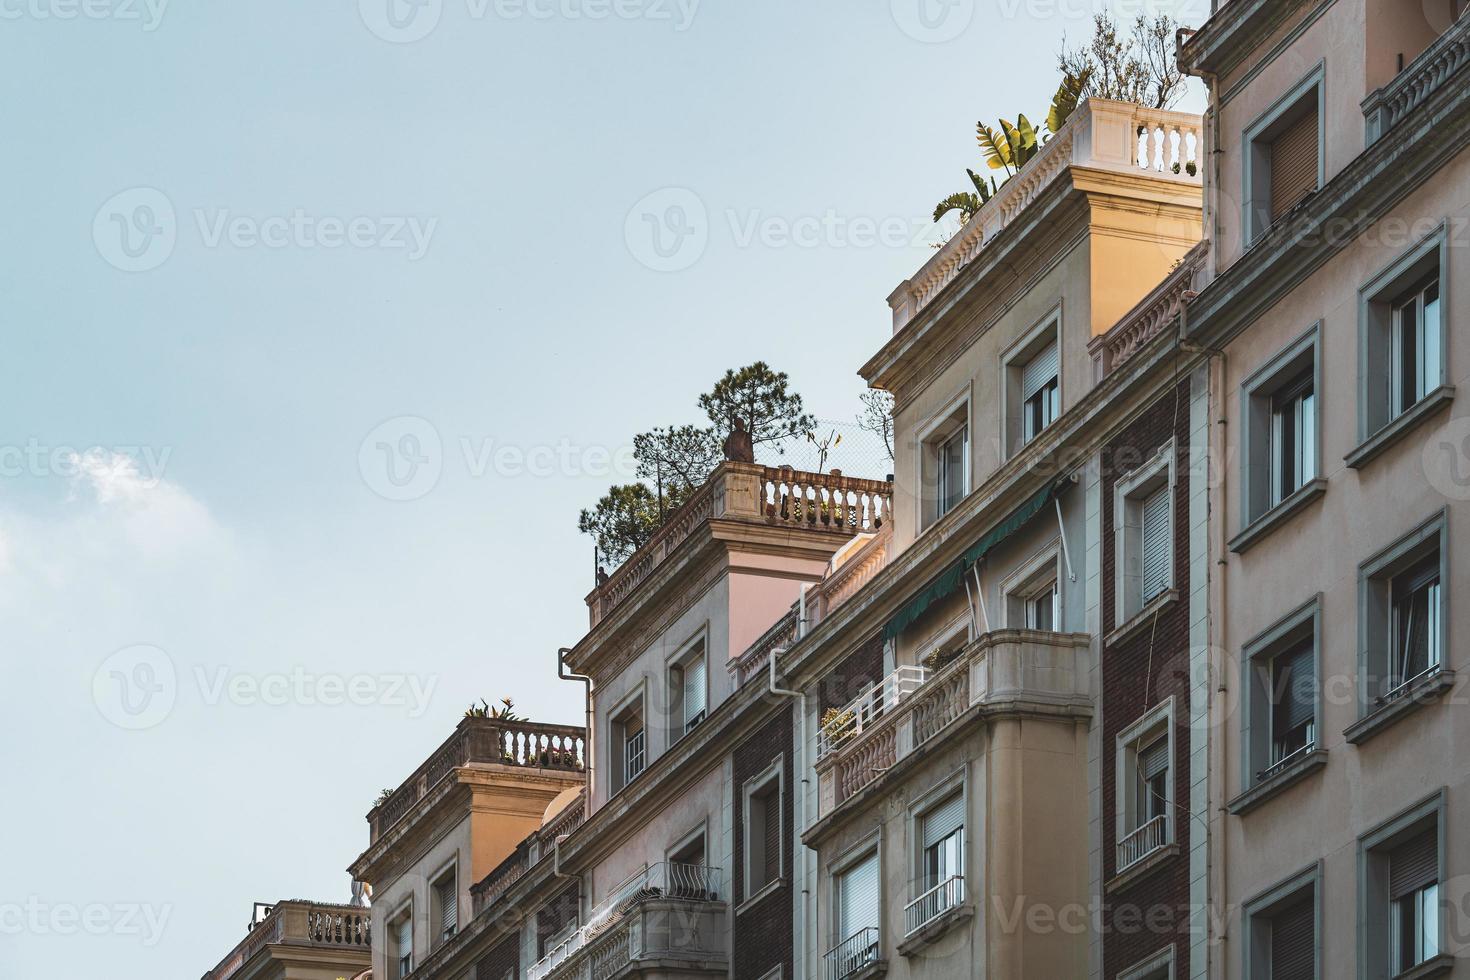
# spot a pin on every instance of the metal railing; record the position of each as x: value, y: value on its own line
x: 667, y: 879
x: 852, y: 954
x: 868, y: 709
x: 948, y: 894
x: 1286, y: 761
x: 1142, y: 842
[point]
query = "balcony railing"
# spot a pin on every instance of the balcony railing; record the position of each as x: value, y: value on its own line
x: 1286, y: 761
x: 522, y: 744
x: 669, y: 880
x: 759, y: 494
x: 869, y: 708
x: 933, y: 903
x: 999, y: 668
x: 1157, y: 311
x: 1425, y: 75
x: 1101, y: 135
x: 1142, y: 842
x: 310, y: 924
x: 852, y: 954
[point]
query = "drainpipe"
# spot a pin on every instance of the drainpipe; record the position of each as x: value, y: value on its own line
x: 566, y: 675
x: 799, y: 805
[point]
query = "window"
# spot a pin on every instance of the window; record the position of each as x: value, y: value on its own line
x: 1145, y: 787
x: 1281, y: 420
x: 1159, y: 966
x: 944, y: 460
x: 1402, y: 866
x: 1033, y: 383
x: 689, y: 875
x: 445, y: 907
x: 400, y: 949
x: 1402, y: 600
x: 1283, y: 164
x: 1033, y: 594
x: 630, y: 744
x: 858, y: 903
x: 1041, y: 608
x: 1281, y: 930
x: 1402, y: 341
x: 940, y: 876
x: 689, y: 682
x: 763, y: 830
x: 1281, y: 695
x: 1144, y: 527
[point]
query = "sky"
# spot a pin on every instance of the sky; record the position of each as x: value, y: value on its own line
x: 323, y: 320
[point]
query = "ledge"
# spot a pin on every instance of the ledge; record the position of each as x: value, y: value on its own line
x: 1438, y: 966
x: 868, y: 971
x: 1262, y: 791
x: 931, y: 932
x: 765, y: 892
x: 1141, y: 618
x: 1399, y: 427
x: 1278, y: 515
x: 1141, y: 867
x: 1421, y: 692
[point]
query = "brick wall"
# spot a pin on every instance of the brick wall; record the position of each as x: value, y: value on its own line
x: 1140, y: 672
x: 763, y: 932
x: 500, y: 961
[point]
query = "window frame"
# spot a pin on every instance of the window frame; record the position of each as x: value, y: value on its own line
x: 773, y: 774
x: 1289, y: 633
x: 1374, y: 946
x: 1376, y: 577
x: 676, y: 670
x: 450, y: 870
x: 402, y: 914
x: 1255, y: 202
x: 953, y: 419
x: 1024, y: 584
x: 1259, y: 914
x: 871, y: 845
x: 1128, y: 744
x: 1043, y: 333
x: 1130, y: 491
x: 1157, y: 966
x: 927, y: 803
x: 1379, y: 426
x: 636, y: 702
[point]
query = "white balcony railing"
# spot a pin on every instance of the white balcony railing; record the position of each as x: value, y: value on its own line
x: 868, y: 709
x: 1142, y: 842
x: 852, y: 954
x: 669, y: 879
x: 948, y: 894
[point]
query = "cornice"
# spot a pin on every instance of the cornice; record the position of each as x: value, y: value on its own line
x: 1238, y: 28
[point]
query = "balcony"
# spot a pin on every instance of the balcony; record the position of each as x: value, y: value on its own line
x: 779, y: 497
x: 671, y: 913
x: 1142, y: 842
x: 303, y: 926
x: 1101, y: 135
x: 487, y: 741
x: 849, y: 957
x: 1427, y: 74
x: 1004, y: 670
x: 934, y: 904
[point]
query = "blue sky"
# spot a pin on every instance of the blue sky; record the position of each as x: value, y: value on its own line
x: 256, y: 252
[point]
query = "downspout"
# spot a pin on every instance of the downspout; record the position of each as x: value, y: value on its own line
x: 798, y: 957
x: 566, y: 675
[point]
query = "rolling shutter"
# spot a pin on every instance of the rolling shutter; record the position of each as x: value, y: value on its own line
x: 1039, y: 371
x: 1154, y: 760
x: 1155, y: 544
x: 694, y: 690
x: 1293, y: 955
x: 772, y: 803
x: 944, y: 820
x: 448, y: 908
x: 1413, y: 864
x: 1294, y: 164
x: 1295, y: 682
x: 858, y: 897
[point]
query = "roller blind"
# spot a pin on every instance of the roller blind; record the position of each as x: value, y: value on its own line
x: 1292, y: 943
x: 1294, y: 683
x: 403, y: 939
x: 772, y: 804
x: 448, y: 907
x: 1413, y: 864
x: 1155, y: 544
x: 1154, y: 759
x: 945, y: 819
x: 1294, y: 164
x: 694, y: 690
x: 858, y: 897
x: 1039, y: 371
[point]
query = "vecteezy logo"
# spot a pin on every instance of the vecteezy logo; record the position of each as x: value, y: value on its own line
x: 402, y: 458
x: 933, y: 21
x: 1447, y: 459
x: 135, y: 688
x: 668, y: 230
x: 401, y: 21
x: 135, y: 230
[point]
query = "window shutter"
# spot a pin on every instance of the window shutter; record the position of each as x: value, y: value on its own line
x: 1156, y: 543
x: 1413, y: 864
x: 858, y: 897
x: 944, y: 820
x: 694, y: 690
x: 404, y: 937
x: 1154, y: 759
x: 772, y: 803
x: 1039, y: 371
x: 1296, y: 677
x: 1294, y: 164
x: 448, y: 907
x: 1293, y: 954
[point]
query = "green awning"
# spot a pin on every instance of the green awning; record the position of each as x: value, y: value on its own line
x: 949, y: 582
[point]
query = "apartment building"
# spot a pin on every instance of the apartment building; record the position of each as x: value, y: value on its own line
x: 1337, y: 204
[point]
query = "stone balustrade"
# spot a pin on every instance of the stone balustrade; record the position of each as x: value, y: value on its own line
x: 300, y: 924
x: 1155, y: 313
x: 1434, y: 68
